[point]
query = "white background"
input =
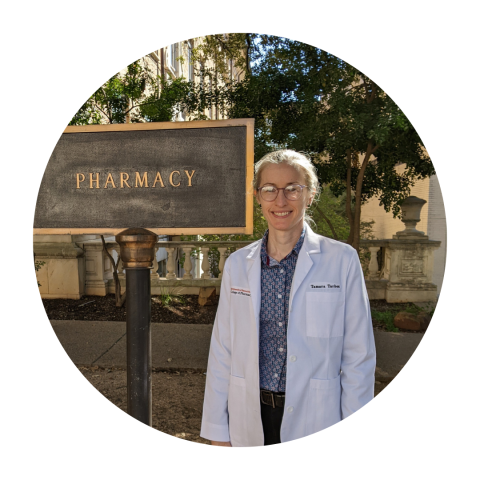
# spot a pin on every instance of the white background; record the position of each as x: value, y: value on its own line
x: 54, y: 55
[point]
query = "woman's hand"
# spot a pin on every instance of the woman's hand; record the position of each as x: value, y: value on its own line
x: 221, y: 444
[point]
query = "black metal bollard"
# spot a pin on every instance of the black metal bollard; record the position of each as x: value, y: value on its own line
x: 137, y: 252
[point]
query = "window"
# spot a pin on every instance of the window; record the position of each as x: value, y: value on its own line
x: 172, y: 57
x: 189, y: 62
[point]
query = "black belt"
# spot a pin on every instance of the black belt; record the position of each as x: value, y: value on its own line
x: 274, y: 399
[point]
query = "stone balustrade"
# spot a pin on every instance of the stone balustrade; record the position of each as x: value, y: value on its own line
x: 188, y: 282
x: 399, y: 269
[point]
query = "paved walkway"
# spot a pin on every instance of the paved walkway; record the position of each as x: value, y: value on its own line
x: 181, y: 347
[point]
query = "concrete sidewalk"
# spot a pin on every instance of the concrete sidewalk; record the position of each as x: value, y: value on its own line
x: 181, y: 347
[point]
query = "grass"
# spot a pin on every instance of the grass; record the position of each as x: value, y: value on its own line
x: 389, y: 311
x: 386, y: 318
x: 166, y: 298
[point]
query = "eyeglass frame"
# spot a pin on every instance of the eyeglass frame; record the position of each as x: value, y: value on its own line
x: 278, y: 191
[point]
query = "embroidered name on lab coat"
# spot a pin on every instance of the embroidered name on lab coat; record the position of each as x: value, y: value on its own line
x: 325, y: 286
x: 240, y: 291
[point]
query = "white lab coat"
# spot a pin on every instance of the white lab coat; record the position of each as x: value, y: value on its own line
x: 330, y: 345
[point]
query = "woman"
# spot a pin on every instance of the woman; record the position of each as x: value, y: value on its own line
x: 292, y: 348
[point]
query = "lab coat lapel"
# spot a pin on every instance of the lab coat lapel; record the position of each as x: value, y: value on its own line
x: 304, y: 261
x: 254, y: 281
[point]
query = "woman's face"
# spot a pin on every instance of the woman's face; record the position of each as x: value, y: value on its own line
x: 283, y: 214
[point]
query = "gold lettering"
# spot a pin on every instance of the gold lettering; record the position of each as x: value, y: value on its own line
x: 158, y: 178
x: 171, y: 179
x: 141, y: 180
x: 96, y: 180
x: 78, y: 179
x: 189, y: 177
x: 109, y: 179
x: 123, y: 179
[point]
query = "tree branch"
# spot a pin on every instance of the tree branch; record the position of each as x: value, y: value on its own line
x: 119, y: 297
x: 335, y: 236
x: 349, y: 188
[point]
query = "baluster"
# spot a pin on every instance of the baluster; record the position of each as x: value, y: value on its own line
x: 153, y: 272
x: 187, y: 266
x: 171, y: 264
x: 221, y: 263
x: 205, y: 263
x: 373, y: 265
x: 197, y: 263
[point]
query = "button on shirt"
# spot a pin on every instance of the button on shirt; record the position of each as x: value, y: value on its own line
x: 276, y: 282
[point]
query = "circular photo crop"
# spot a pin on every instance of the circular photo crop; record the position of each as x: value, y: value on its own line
x: 240, y: 239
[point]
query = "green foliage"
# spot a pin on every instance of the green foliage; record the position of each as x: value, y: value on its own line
x: 134, y: 95
x: 168, y: 297
x: 163, y: 104
x: 38, y: 266
x: 301, y: 98
x: 386, y: 317
x: 415, y: 309
x: 333, y: 208
x: 306, y: 99
x: 222, y: 49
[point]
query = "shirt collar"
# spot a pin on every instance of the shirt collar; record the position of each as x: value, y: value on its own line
x: 296, y: 249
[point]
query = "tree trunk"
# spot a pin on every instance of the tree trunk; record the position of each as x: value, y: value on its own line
x: 358, y: 197
x: 119, y: 298
x: 348, y: 205
x: 128, y: 116
x: 370, y: 97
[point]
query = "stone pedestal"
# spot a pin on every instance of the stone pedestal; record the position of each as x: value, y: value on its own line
x: 409, y: 264
x: 376, y: 289
x: 63, y: 274
x: 98, y: 270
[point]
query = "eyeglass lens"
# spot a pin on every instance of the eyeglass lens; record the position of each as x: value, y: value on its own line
x: 292, y: 192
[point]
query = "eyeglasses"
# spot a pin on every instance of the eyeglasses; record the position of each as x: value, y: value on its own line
x: 292, y: 192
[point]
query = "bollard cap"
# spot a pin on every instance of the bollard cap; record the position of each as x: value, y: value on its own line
x: 137, y: 247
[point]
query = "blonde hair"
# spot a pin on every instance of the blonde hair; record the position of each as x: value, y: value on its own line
x: 297, y: 160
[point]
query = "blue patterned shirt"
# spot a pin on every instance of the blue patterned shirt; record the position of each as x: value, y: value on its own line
x: 276, y: 282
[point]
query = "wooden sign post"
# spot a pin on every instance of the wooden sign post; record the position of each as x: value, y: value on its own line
x: 137, y: 181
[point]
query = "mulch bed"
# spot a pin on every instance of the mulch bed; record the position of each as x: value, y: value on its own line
x: 184, y: 309
x: 180, y: 310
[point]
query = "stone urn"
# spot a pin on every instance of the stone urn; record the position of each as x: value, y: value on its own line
x: 411, y: 208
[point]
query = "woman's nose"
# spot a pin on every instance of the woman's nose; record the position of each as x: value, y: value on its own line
x: 281, y: 200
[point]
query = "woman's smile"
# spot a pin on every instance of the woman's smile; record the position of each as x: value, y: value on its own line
x: 281, y: 214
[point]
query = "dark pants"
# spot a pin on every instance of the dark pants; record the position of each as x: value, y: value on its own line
x: 272, y: 421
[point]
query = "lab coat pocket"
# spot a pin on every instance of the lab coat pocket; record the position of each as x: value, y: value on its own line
x: 324, y: 314
x: 237, y: 417
x: 324, y: 409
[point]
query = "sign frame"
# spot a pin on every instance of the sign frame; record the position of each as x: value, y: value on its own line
x: 196, y: 124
